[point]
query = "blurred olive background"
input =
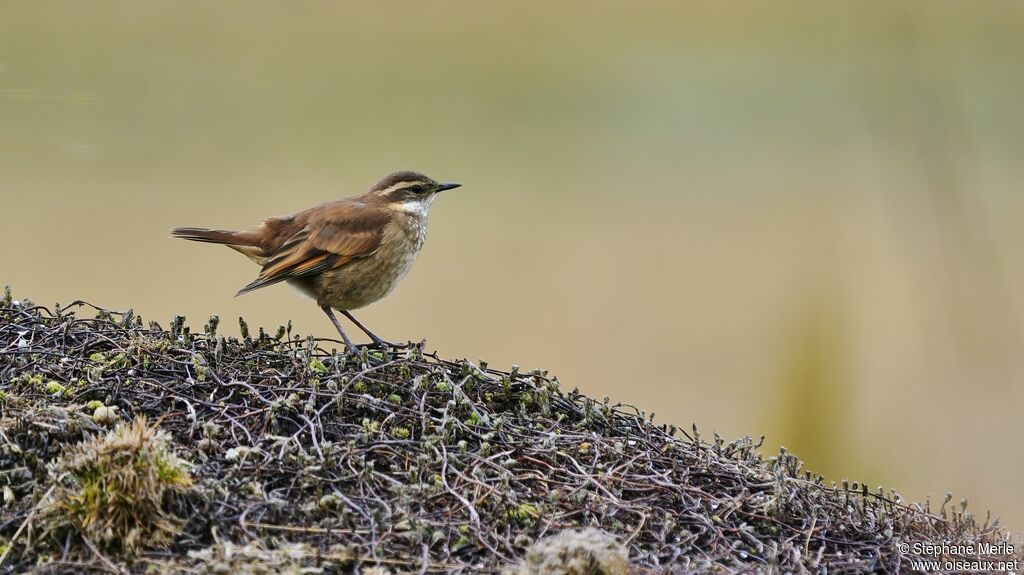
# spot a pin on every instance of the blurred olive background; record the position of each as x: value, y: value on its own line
x: 800, y: 219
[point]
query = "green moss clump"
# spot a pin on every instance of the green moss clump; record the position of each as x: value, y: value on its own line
x: 115, y: 490
x: 199, y: 364
x: 317, y: 366
x: 27, y: 381
x: 523, y: 513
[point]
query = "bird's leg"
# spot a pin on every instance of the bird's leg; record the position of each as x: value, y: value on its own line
x: 334, y: 319
x: 376, y: 340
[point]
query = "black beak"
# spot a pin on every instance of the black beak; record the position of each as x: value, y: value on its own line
x: 449, y: 186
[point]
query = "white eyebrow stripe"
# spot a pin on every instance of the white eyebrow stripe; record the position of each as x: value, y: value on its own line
x: 397, y: 186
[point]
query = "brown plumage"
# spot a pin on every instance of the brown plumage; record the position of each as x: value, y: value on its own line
x: 345, y: 253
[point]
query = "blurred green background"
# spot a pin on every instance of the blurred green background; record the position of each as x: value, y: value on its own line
x: 801, y: 219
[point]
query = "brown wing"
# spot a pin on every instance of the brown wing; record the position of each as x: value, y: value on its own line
x: 330, y: 236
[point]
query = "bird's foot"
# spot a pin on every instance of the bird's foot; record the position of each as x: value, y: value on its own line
x: 385, y: 344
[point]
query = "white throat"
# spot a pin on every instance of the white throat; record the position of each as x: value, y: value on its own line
x: 416, y: 207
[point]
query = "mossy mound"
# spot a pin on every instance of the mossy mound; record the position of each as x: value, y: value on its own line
x: 304, y: 459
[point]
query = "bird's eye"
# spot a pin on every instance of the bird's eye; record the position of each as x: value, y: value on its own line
x: 415, y: 189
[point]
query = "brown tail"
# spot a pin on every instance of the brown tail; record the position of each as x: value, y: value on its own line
x: 213, y: 236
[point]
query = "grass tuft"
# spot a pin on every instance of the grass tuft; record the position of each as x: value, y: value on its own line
x: 114, y: 490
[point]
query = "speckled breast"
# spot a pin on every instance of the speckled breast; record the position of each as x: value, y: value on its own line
x: 366, y: 280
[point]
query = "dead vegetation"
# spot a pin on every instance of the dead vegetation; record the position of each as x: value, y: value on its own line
x: 273, y: 453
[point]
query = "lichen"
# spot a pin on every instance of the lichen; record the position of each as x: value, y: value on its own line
x: 574, y: 552
x: 255, y: 558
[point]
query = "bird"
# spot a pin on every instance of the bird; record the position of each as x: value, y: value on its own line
x: 346, y: 253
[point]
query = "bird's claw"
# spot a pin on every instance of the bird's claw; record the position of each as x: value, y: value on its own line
x: 386, y: 345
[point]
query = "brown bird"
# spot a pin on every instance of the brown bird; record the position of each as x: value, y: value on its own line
x: 346, y: 253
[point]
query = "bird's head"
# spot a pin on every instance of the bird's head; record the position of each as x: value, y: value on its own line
x: 407, y: 191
